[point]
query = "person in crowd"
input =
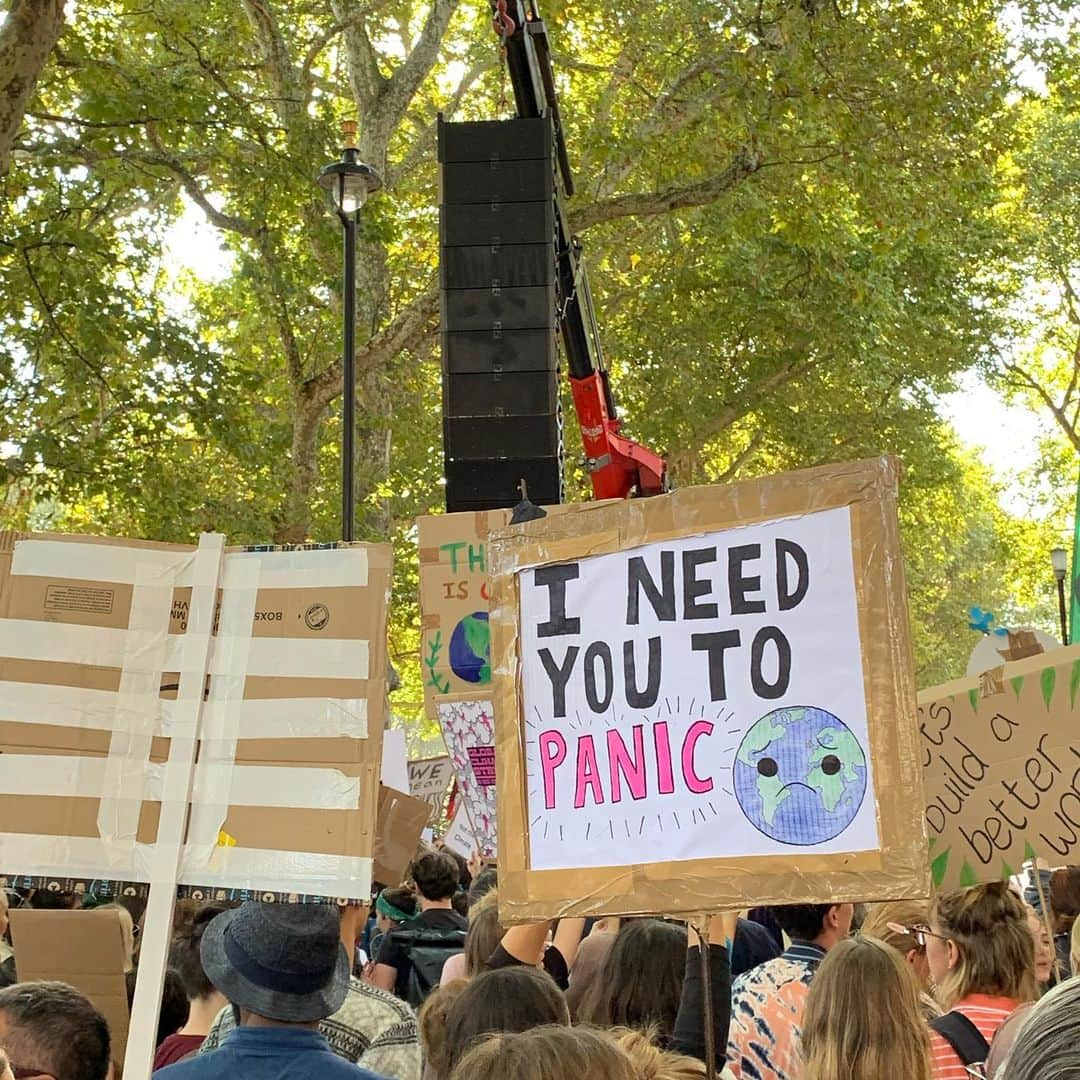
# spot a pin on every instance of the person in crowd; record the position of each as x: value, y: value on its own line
x: 1044, y: 949
x: 204, y: 1000
x: 892, y: 923
x: 285, y: 968
x: 640, y: 984
x: 982, y: 959
x: 652, y: 1063
x: 127, y: 931
x: 174, y: 1003
x: 432, y: 1022
x: 752, y: 946
x: 6, y: 1072
x: 863, y: 1020
x: 410, y: 962
x: 508, y: 1000
x: 394, y: 909
x: 482, y: 883
x: 53, y: 900
x: 372, y: 1029
x: 1074, y: 949
x: 7, y: 953
x: 552, y: 1053
x: 1064, y: 901
x: 485, y: 933
x: 52, y: 1032
x: 767, y: 1003
x: 588, y: 964
x: 1047, y: 1047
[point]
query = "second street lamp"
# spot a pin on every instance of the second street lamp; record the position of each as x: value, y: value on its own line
x: 349, y: 182
x: 1059, y: 559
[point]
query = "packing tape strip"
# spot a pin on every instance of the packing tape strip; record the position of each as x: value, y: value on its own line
x: 238, y: 654
x: 105, y: 710
x: 67, y: 857
x: 321, y: 568
x: 187, y: 712
x: 116, y: 564
x: 124, y: 779
x: 228, y: 664
x: 284, y: 786
x: 265, y: 870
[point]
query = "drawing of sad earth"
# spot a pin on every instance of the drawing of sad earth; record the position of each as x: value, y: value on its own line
x: 800, y: 775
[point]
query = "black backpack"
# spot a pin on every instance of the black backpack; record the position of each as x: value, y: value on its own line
x: 425, y: 951
x: 965, y: 1038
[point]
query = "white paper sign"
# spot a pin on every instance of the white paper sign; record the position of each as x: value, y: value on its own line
x: 430, y: 779
x: 459, y: 836
x: 468, y: 729
x: 699, y: 698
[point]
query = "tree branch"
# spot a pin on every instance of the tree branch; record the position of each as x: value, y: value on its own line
x: 278, y: 61
x: 1058, y: 413
x: 27, y: 37
x: 649, y: 204
x: 406, y: 331
x: 364, y: 74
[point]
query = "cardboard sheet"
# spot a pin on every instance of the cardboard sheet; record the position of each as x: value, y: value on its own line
x: 706, y: 700
x: 401, y: 821
x: 286, y: 789
x: 1001, y: 760
x: 82, y: 948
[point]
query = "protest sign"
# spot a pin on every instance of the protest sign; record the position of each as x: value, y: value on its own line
x: 84, y: 949
x: 468, y: 729
x: 1001, y: 767
x: 430, y: 780
x: 459, y: 837
x: 706, y: 700
x: 401, y: 823
x: 185, y: 716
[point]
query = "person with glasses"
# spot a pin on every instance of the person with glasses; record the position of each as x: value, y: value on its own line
x: 52, y: 1032
x: 982, y: 962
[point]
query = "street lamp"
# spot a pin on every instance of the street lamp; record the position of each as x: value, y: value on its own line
x: 349, y: 182
x: 1059, y: 559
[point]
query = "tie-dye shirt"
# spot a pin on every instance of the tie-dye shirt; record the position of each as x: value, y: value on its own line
x: 767, y: 1005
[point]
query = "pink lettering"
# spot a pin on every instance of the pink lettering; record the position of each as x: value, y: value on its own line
x: 552, y: 755
x: 588, y: 774
x: 693, y: 781
x: 632, y: 770
x: 665, y: 777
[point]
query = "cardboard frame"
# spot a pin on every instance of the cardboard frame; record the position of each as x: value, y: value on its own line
x: 898, y: 869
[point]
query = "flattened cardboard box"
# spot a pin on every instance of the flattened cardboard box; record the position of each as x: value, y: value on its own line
x: 306, y: 620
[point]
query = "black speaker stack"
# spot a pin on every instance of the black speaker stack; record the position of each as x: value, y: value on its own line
x: 501, y: 417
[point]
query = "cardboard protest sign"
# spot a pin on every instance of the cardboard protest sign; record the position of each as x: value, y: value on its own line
x: 84, y: 949
x: 430, y: 780
x: 92, y: 634
x: 459, y: 837
x: 1001, y: 769
x: 401, y: 823
x: 468, y: 729
x: 455, y: 645
x: 706, y: 700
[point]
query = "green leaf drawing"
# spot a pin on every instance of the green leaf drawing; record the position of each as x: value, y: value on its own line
x: 932, y: 842
x: 1029, y: 851
x: 1017, y: 684
x: 1046, y: 682
x: 1074, y: 684
x: 940, y: 867
x: 1007, y: 871
x: 967, y: 876
x: 440, y: 683
x: 973, y: 697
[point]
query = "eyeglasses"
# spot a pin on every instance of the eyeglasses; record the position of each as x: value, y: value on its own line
x: 919, y: 932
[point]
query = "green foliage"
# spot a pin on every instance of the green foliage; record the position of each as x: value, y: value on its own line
x: 798, y: 221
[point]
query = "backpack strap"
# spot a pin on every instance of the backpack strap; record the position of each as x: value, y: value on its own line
x: 963, y: 1036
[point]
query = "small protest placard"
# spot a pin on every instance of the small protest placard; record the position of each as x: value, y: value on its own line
x: 704, y: 700
x: 430, y: 780
x: 468, y: 729
x: 1001, y: 765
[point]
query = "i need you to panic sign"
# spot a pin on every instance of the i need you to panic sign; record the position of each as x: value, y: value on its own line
x: 705, y: 699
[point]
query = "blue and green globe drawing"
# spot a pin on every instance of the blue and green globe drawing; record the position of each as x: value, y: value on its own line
x: 470, y: 649
x: 800, y: 775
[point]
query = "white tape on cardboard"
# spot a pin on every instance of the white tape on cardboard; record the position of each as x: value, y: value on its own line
x: 285, y: 718
x: 107, y: 563
x: 238, y: 654
x: 327, y: 568
x: 76, y: 707
x: 285, y: 871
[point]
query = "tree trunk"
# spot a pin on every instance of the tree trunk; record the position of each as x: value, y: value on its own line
x: 295, y: 528
x: 27, y: 37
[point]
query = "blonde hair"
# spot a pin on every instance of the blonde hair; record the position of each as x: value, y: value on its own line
x: 547, y: 1053
x: 652, y: 1063
x: 431, y: 1022
x: 989, y: 926
x: 863, y: 1019
x: 902, y: 912
x: 127, y: 929
x: 485, y: 933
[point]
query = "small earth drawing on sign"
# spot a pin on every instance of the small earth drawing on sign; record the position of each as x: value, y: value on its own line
x: 470, y: 649
x: 800, y: 775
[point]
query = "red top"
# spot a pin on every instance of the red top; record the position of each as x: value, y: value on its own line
x: 987, y: 1014
x: 176, y: 1048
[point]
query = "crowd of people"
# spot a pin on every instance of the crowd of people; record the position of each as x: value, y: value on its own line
x: 427, y: 985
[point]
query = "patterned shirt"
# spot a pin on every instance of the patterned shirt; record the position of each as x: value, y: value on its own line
x: 372, y: 1028
x: 987, y: 1014
x: 767, y: 1006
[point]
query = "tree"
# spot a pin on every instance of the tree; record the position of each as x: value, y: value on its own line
x: 27, y: 37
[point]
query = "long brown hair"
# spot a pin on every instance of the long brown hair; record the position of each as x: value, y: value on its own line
x: 863, y: 1020
x: 485, y: 933
x: 551, y: 1053
x: 989, y: 926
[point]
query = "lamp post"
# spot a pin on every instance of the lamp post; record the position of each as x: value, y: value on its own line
x: 349, y: 182
x: 1059, y: 559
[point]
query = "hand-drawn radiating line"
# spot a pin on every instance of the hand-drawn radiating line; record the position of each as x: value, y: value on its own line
x: 667, y: 705
x: 532, y: 824
x: 560, y: 834
x: 611, y: 828
x: 713, y: 809
x: 726, y: 791
x: 539, y: 715
x: 626, y: 822
x: 676, y: 817
x: 692, y: 702
x: 588, y: 829
x: 529, y: 723
x: 660, y: 822
x: 641, y: 827
x: 677, y: 702
x: 546, y: 824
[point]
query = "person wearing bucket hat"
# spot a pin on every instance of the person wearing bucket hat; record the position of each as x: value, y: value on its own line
x: 284, y: 967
